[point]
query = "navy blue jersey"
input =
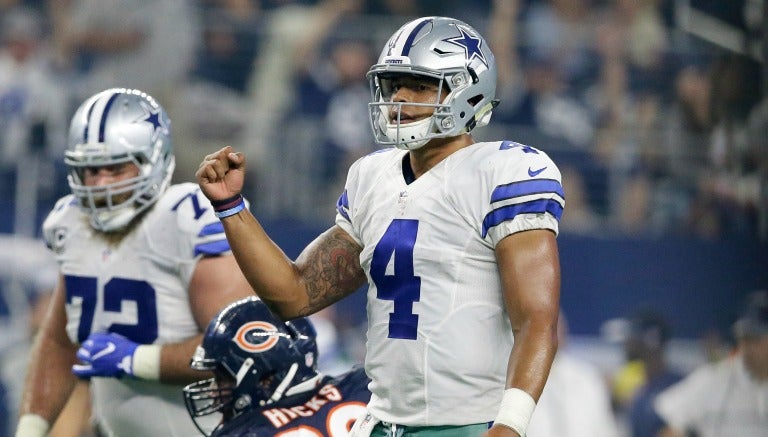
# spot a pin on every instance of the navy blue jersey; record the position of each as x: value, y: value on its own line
x: 330, y: 411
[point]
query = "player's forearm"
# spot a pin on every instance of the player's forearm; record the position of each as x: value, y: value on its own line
x: 532, y: 356
x: 271, y: 274
x: 528, y: 369
x: 49, y: 380
x: 174, y: 362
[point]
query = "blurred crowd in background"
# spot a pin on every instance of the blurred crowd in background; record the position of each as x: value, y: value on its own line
x: 654, y: 110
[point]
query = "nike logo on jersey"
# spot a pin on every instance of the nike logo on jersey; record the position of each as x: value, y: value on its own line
x: 106, y: 351
x: 533, y: 173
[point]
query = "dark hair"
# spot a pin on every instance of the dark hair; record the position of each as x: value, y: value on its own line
x: 650, y: 326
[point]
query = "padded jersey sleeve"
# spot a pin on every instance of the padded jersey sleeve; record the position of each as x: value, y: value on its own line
x: 522, y: 191
x: 186, y: 229
x: 344, y: 211
x: 53, y: 222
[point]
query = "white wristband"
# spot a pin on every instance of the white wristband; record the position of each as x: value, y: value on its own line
x: 146, y: 361
x: 32, y: 425
x: 516, y: 410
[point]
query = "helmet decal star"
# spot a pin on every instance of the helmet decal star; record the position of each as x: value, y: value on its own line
x: 472, y: 46
x: 159, y: 125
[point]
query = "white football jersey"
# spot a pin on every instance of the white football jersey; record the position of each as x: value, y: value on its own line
x: 137, y: 288
x: 438, y: 334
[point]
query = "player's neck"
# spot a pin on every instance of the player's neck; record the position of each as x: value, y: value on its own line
x: 423, y: 159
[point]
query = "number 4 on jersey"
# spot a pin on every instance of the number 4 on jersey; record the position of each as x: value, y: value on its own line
x: 402, y: 287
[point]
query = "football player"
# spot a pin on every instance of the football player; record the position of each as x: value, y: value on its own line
x: 144, y: 265
x: 266, y: 380
x: 456, y: 240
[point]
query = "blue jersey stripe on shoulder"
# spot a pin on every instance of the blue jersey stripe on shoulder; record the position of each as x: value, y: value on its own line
x: 211, y: 229
x: 342, y: 205
x: 525, y: 188
x: 212, y: 248
x: 509, y: 212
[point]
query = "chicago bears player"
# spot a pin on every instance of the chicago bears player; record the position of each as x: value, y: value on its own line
x: 266, y: 380
x: 144, y: 266
x: 456, y: 240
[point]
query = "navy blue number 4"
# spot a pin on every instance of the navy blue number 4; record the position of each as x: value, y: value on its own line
x: 402, y: 287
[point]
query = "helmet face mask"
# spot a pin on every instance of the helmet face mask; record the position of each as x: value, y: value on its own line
x: 112, y: 128
x: 208, y: 396
x: 258, y: 360
x: 439, y: 49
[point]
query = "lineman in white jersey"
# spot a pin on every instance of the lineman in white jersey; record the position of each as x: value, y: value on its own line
x: 143, y: 268
x: 455, y: 239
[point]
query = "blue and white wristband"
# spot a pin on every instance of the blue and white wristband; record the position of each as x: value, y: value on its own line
x: 228, y: 207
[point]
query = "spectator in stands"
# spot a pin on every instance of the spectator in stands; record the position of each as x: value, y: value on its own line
x: 647, y: 342
x: 230, y: 40
x: 627, y: 101
x: 732, y: 183
x: 685, y: 134
x: 32, y: 109
x: 129, y: 43
x: 561, y: 31
x: 534, y: 91
x: 757, y: 125
x: 214, y: 104
x: 298, y: 53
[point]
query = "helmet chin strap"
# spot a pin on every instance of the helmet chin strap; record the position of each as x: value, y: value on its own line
x: 114, y: 220
x: 278, y: 393
x: 410, y: 136
x: 304, y: 386
x: 247, y: 364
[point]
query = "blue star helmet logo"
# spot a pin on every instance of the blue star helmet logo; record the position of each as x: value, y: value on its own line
x: 159, y: 125
x: 470, y: 44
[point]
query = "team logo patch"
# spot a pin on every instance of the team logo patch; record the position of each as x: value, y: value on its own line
x: 257, y: 337
x: 58, y: 239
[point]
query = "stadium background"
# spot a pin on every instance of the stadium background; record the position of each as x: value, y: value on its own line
x: 655, y: 111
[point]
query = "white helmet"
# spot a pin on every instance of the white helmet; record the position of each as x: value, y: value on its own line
x: 114, y: 127
x: 440, y: 48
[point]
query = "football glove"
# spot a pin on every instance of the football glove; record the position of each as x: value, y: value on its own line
x: 107, y: 355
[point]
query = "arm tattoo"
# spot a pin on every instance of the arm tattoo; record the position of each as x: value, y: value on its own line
x: 331, y: 269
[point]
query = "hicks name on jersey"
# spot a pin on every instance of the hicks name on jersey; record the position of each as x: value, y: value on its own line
x: 280, y: 417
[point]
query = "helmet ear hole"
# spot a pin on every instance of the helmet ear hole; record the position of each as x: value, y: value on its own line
x: 473, y: 75
x: 475, y: 100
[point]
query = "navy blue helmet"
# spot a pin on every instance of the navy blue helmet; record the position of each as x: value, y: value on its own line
x: 257, y: 360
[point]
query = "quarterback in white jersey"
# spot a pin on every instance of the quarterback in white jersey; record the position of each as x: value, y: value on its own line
x: 143, y: 267
x: 455, y: 239
x: 446, y: 223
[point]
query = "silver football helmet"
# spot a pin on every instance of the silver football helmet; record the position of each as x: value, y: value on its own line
x: 114, y: 127
x: 448, y: 51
